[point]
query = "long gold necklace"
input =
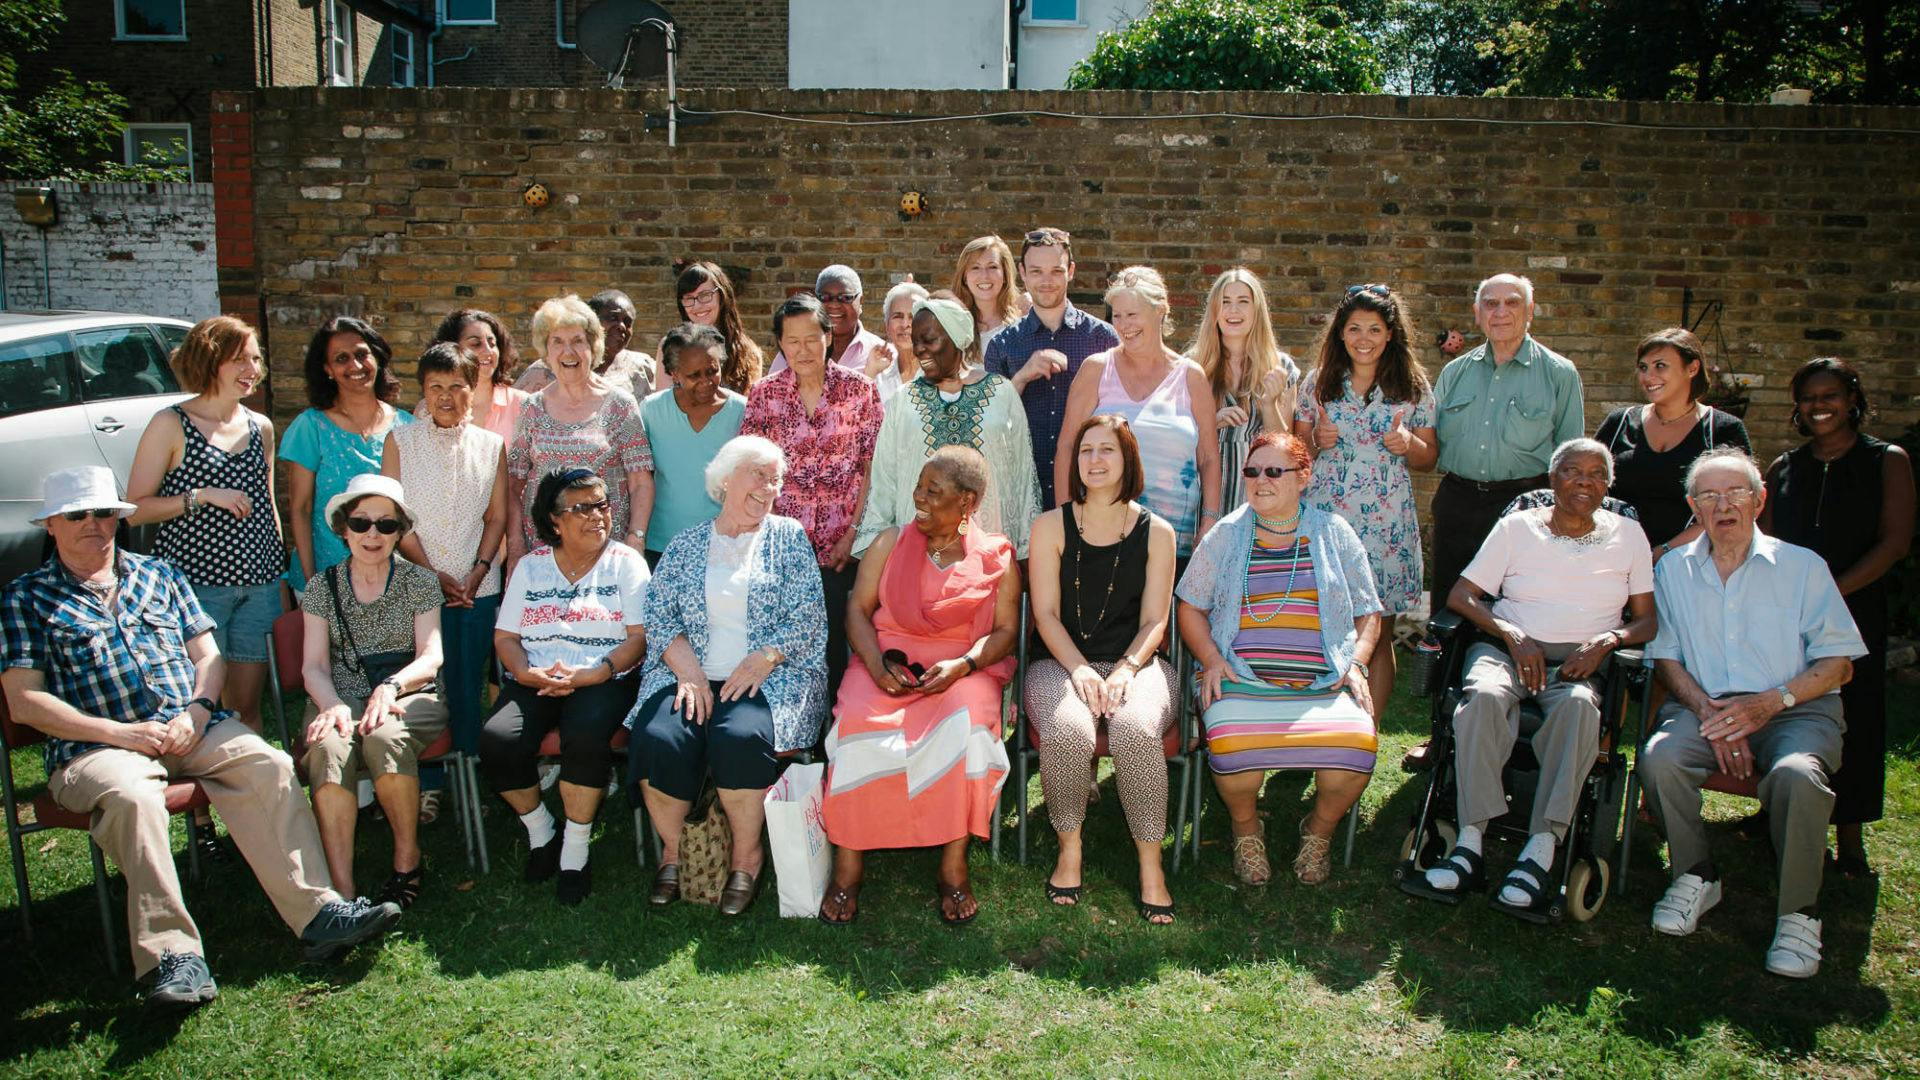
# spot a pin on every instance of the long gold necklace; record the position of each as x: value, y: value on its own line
x: 1113, y: 574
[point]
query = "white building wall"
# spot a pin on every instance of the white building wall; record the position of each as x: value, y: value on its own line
x: 1049, y: 50
x: 897, y: 44
x: 141, y: 248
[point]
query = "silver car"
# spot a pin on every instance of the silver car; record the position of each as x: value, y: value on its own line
x: 76, y: 388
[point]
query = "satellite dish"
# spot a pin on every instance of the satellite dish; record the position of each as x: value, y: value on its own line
x: 628, y: 39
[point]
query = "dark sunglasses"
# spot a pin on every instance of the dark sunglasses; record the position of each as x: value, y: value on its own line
x: 903, y: 669
x: 99, y: 514
x: 1274, y: 472
x: 839, y: 298
x: 583, y: 509
x: 1377, y: 290
x: 1045, y: 237
x: 385, y: 526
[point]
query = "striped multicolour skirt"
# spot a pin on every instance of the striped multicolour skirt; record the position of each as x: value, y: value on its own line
x: 1262, y: 726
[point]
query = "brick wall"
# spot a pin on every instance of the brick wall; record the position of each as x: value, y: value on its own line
x: 724, y: 43
x: 143, y: 248
x: 292, y: 46
x: 1803, y: 222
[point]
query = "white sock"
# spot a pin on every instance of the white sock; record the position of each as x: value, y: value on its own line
x: 573, y: 848
x: 1444, y: 877
x: 539, y: 825
x: 1540, y: 849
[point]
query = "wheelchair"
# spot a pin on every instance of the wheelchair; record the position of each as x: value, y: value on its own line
x: 1584, y: 867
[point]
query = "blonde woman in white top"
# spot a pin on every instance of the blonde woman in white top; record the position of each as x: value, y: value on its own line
x: 1254, y: 383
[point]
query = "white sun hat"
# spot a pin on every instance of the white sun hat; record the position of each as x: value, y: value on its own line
x: 89, y: 487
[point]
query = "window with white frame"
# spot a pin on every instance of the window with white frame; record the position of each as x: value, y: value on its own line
x: 469, y: 12
x: 1054, y: 12
x: 154, y: 20
x: 340, y: 69
x: 402, y: 49
x: 163, y: 145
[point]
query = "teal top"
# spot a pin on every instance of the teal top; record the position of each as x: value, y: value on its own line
x: 334, y: 456
x: 1502, y: 421
x: 680, y: 457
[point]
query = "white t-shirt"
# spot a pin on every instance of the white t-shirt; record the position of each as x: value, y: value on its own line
x: 1558, y: 589
x: 577, y: 622
x: 729, y: 571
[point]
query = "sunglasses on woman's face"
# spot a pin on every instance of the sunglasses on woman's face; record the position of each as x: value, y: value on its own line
x: 385, y: 526
x: 585, y: 508
x: 98, y: 514
x: 1274, y: 472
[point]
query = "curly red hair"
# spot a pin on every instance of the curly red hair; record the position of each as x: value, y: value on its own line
x: 1286, y: 443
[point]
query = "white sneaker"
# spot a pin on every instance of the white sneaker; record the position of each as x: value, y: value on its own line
x: 549, y: 775
x: 1689, y: 897
x: 1795, y: 952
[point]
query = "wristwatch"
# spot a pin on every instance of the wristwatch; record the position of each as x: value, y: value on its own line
x: 774, y: 655
x: 1787, y: 700
x: 205, y: 703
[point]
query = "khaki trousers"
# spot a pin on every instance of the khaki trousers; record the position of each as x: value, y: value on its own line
x: 392, y: 747
x: 253, y: 787
x: 1488, y: 723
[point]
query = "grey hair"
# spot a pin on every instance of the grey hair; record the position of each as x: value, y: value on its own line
x: 1582, y: 446
x: 1725, y: 455
x: 906, y: 288
x: 742, y: 450
x: 1525, y: 283
x: 839, y: 272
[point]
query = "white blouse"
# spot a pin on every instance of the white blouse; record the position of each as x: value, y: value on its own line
x: 729, y: 563
x: 448, y: 476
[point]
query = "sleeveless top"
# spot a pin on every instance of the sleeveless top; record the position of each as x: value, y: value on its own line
x: 447, y: 474
x: 211, y: 546
x: 1833, y: 507
x: 1101, y: 586
x: 1654, y: 481
x: 1169, y: 440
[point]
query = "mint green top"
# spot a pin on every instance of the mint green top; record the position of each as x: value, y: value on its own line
x: 1502, y: 422
x: 680, y: 457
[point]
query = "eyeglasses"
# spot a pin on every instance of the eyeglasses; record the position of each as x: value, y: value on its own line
x: 839, y: 298
x: 385, y: 526
x: 1375, y: 289
x: 1736, y: 497
x: 703, y: 297
x: 585, y: 508
x: 99, y: 514
x: 1274, y: 472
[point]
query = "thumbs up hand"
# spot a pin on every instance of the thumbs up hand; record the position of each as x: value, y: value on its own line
x: 1325, y: 435
x: 1398, y: 438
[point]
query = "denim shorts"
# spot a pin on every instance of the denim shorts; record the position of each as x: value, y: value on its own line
x: 242, y: 615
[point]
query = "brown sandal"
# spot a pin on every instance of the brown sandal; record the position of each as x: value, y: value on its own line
x: 845, y: 898
x: 956, y: 895
x: 1250, y: 860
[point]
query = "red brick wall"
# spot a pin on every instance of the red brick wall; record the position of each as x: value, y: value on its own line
x: 1804, y: 223
x: 724, y: 43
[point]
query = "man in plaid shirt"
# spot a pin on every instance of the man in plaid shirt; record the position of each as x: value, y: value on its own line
x: 109, y: 654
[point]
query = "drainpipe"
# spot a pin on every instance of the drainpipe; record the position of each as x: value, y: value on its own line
x: 433, y: 35
x: 1014, y: 10
x: 560, y: 25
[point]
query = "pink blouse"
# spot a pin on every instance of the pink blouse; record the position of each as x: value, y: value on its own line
x: 828, y: 453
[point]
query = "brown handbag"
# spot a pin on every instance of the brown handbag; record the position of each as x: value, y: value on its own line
x: 706, y: 849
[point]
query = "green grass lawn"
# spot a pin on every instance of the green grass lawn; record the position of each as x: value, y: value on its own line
x: 488, y: 977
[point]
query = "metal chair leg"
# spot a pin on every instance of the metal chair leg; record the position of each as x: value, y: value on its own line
x: 106, y: 912
x: 1020, y: 797
x: 1353, y: 822
x: 1627, y: 817
x: 20, y: 885
x: 479, y: 825
x: 193, y: 853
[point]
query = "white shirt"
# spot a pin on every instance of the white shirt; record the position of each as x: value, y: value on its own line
x: 577, y: 622
x: 1557, y: 589
x: 729, y: 570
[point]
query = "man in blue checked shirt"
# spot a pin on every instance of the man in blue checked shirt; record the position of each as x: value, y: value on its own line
x: 109, y: 654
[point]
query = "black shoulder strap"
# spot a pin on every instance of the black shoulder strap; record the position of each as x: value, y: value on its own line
x: 340, y: 613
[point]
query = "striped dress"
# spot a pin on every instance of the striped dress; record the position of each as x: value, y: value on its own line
x: 1278, y: 723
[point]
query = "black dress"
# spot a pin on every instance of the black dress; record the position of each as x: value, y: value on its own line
x: 1653, y: 481
x: 1834, y: 508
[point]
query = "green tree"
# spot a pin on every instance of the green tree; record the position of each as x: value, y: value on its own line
x: 69, y: 130
x: 1233, y: 45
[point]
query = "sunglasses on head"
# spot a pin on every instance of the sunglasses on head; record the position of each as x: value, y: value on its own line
x: 97, y: 514
x: 1377, y: 290
x: 385, y: 526
x: 1274, y: 472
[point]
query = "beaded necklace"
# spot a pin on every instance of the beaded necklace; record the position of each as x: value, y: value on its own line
x: 1113, y: 574
x: 1293, y: 567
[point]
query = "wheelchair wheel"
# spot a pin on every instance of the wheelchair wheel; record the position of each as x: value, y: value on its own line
x: 1587, y: 888
x: 1433, y: 850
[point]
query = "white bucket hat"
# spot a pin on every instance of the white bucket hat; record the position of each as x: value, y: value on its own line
x: 89, y: 487
x: 370, y: 484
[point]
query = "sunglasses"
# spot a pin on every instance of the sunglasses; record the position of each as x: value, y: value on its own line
x: 1043, y: 237
x: 839, y: 298
x: 585, y: 508
x: 1274, y: 472
x: 99, y: 514
x: 1377, y: 290
x: 385, y: 526
x: 908, y: 672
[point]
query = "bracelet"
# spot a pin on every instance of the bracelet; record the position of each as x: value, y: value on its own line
x: 395, y: 683
x: 488, y: 563
x: 189, y: 502
x: 1214, y: 514
x: 971, y: 665
x: 612, y: 672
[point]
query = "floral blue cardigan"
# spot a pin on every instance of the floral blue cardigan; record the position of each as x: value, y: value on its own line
x: 785, y: 608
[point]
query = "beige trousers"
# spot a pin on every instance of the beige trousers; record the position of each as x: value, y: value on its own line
x: 393, y: 747
x: 253, y: 787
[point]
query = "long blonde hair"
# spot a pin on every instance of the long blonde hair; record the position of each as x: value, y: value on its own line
x: 1009, y: 299
x: 1263, y: 352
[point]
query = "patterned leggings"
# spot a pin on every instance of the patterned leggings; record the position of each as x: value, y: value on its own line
x: 1067, y: 729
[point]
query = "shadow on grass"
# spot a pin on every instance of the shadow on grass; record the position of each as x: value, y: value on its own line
x: 1469, y: 968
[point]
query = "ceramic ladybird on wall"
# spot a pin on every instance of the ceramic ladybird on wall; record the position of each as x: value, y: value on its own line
x: 536, y: 196
x: 912, y: 205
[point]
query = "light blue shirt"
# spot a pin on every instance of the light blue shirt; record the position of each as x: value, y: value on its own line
x: 1502, y: 421
x: 1216, y: 581
x: 680, y: 457
x: 1768, y: 622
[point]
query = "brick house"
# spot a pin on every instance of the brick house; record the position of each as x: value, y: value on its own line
x: 167, y: 56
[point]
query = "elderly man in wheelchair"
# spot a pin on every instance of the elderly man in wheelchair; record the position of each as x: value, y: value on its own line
x: 1561, y: 571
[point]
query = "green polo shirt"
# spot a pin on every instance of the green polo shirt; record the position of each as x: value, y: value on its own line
x: 1502, y: 421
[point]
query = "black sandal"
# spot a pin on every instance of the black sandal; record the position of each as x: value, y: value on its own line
x: 403, y: 887
x: 1530, y: 878
x: 1068, y: 893
x: 958, y: 895
x: 847, y: 899
x: 1467, y: 864
x: 1149, y: 912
